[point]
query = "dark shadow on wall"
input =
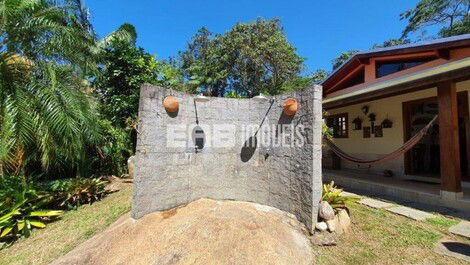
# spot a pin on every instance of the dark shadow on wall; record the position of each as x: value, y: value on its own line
x: 250, y: 145
x: 249, y: 148
x: 172, y: 114
x: 283, y: 120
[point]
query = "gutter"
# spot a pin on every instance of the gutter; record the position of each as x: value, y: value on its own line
x: 440, y: 69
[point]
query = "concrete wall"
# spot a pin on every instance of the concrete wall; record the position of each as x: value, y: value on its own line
x: 288, y: 178
x: 393, y: 138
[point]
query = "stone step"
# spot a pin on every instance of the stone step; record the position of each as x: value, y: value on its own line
x: 461, y: 229
x: 410, y: 213
x: 375, y: 203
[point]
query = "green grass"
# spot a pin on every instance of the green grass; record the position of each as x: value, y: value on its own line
x: 376, y: 236
x: 74, y: 227
x: 381, y: 237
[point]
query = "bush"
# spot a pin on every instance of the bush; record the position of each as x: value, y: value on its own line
x: 332, y: 195
x: 22, y: 208
x: 71, y: 193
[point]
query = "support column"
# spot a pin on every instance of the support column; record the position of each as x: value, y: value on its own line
x: 451, y: 187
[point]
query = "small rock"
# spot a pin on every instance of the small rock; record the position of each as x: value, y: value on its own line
x: 344, y: 221
x: 326, y: 211
x: 321, y: 226
x: 332, y: 224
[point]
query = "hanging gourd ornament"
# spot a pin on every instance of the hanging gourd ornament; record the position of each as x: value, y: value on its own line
x: 171, y: 104
x: 290, y: 106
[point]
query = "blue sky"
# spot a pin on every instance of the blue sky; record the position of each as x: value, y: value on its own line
x: 319, y: 29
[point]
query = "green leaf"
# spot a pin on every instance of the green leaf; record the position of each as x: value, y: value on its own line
x: 6, y: 231
x: 37, y: 224
x: 45, y: 213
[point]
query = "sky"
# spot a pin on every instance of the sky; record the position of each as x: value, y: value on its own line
x: 319, y: 29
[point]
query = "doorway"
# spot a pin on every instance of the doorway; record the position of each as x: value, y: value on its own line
x: 423, y: 159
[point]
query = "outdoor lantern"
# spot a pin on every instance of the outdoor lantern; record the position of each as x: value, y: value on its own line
x: 290, y: 106
x: 171, y: 104
x: 260, y: 98
x: 201, y: 98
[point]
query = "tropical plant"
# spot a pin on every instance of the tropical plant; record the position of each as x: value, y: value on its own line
x: 22, y: 209
x: 48, y: 119
x: 332, y: 195
x: 71, y: 193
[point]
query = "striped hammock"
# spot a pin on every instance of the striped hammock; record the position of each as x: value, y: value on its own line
x: 395, y: 154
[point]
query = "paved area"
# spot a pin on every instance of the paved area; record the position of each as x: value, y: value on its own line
x: 410, y: 213
x: 454, y: 249
x: 461, y: 229
x: 375, y: 203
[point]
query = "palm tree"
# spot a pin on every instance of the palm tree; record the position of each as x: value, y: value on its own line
x: 47, y: 120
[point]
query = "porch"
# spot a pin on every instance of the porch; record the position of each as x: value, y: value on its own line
x: 408, y: 192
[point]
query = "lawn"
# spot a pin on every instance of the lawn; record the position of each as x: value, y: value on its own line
x: 59, y: 237
x: 380, y: 237
x: 376, y: 237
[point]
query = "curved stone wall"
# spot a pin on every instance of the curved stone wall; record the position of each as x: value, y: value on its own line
x: 270, y: 166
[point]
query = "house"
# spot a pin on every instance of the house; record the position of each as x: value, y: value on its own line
x: 378, y: 100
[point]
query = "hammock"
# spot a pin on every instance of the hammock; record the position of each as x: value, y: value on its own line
x: 397, y: 153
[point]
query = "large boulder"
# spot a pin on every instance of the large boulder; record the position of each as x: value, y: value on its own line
x: 202, y: 232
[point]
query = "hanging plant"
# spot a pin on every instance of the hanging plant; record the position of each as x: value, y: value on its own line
x: 387, y: 123
x: 365, y: 109
x: 372, y: 117
x: 357, y: 123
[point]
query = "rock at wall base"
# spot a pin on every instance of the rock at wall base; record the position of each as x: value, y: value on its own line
x: 321, y: 226
x: 326, y: 212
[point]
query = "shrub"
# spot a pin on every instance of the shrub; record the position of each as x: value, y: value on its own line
x: 71, y: 193
x: 22, y: 208
x: 332, y: 195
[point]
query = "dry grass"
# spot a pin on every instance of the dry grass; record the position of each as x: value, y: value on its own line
x: 72, y: 229
x: 380, y: 237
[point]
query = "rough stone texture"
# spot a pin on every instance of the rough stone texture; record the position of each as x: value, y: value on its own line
x: 461, y: 229
x: 344, y: 221
x: 324, y: 239
x: 202, y: 232
x: 321, y: 226
x: 288, y: 178
x: 326, y: 212
x: 332, y: 224
x: 410, y: 213
x: 375, y: 203
x: 453, y: 248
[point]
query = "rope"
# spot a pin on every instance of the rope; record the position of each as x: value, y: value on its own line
x: 395, y: 154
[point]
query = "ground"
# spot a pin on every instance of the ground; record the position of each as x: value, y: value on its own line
x: 75, y: 227
x: 376, y: 237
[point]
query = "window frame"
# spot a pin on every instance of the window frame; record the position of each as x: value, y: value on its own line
x: 335, y: 119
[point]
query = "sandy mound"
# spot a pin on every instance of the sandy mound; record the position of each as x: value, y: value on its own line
x: 202, y: 232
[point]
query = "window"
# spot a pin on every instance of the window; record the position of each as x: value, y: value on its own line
x: 339, y: 123
x: 387, y: 68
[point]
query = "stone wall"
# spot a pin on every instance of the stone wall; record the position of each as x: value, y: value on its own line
x: 234, y: 163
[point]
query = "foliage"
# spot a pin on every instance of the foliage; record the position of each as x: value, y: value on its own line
x: 458, y: 28
x: 71, y: 193
x: 437, y: 12
x: 342, y: 58
x: 391, y: 43
x: 113, y: 151
x: 332, y: 195
x: 124, y: 70
x: 295, y: 83
x: 251, y: 58
x: 48, y: 122
x: 319, y: 75
x: 21, y: 208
